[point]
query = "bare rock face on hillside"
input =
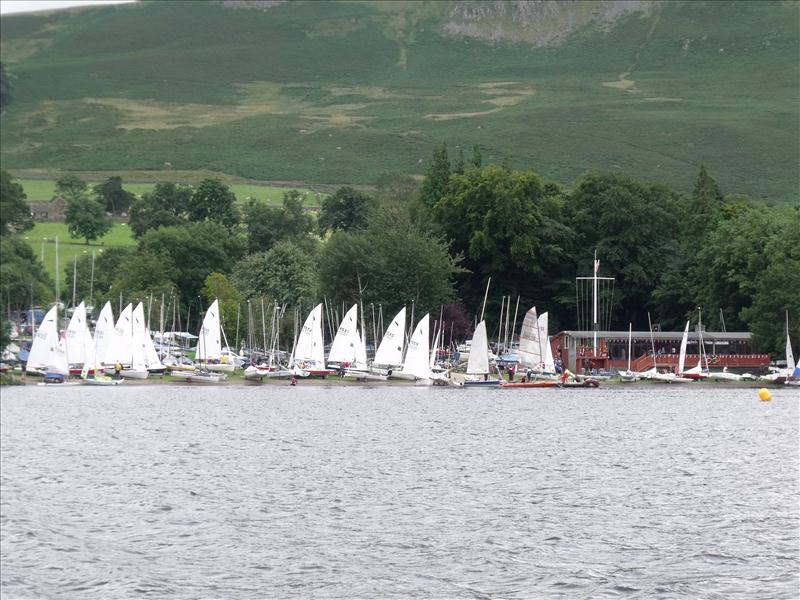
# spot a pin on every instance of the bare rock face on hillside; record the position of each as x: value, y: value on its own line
x: 537, y: 22
x: 252, y: 4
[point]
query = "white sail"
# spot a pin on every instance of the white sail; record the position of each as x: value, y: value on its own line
x: 790, y: 364
x: 47, y: 351
x: 530, y: 345
x: 435, y: 348
x: 343, y: 348
x: 209, y: 343
x: 416, y: 361
x: 309, y: 347
x: 151, y: 358
x: 682, y: 355
x: 121, y: 339
x: 76, y: 336
x: 478, y: 363
x: 549, y: 363
x: 138, y: 335
x: 360, y: 352
x: 547, y: 351
x: 103, y: 331
x: 390, y: 350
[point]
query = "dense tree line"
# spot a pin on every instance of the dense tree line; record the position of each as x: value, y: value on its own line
x: 437, y: 244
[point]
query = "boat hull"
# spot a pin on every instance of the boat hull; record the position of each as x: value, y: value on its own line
x: 198, y: 376
x: 537, y: 383
x: 102, y: 381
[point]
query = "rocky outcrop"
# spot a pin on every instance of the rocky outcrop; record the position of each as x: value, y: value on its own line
x: 537, y: 22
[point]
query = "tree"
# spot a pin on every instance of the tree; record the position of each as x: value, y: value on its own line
x: 460, y: 165
x: 477, y: 158
x: 396, y: 188
x: 635, y: 229
x: 5, y: 333
x: 193, y: 251
x: 23, y: 280
x: 15, y: 214
x: 267, y: 225
x: 346, y: 209
x: 214, y: 201
x: 394, y: 261
x: 143, y: 273
x: 70, y: 187
x: 435, y: 183
x: 750, y: 268
x: 285, y: 273
x: 108, y: 264
x: 111, y: 195
x: 165, y: 206
x: 506, y: 225
x: 217, y: 287
x: 86, y: 218
x: 5, y: 88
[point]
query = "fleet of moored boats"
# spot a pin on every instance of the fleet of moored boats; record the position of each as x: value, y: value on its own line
x: 126, y: 349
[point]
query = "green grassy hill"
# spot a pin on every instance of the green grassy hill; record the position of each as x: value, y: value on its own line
x: 339, y: 92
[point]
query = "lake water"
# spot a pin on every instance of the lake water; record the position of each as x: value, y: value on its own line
x: 398, y: 492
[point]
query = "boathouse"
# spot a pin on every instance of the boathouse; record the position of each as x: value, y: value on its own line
x: 722, y: 349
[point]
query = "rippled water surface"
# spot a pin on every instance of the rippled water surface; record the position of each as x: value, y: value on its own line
x: 395, y: 492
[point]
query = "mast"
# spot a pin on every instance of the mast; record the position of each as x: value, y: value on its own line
x: 91, y: 285
x: 594, y: 303
x: 630, y: 335
x: 74, y: 275
x: 485, y: 296
x: 700, y: 339
x: 238, y: 315
x: 57, y: 278
x: 652, y: 341
x: 514, y: 324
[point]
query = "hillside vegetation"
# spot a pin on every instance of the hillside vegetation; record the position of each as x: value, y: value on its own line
x: 340, y: 92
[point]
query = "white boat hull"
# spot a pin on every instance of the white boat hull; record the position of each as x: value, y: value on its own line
x: 227, y: 368
x: 134, y: 373
x: 103, y: 381
x: 669, y: 378
x: 198, y: 376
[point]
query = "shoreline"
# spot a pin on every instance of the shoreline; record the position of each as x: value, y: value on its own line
x: 336, y: 381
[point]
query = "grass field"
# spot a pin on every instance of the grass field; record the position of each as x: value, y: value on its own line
x: 43, y: 190
x: 42, y: 239
x: 340, y: 92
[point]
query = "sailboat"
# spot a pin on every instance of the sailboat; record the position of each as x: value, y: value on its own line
x: 308, y: 355
x: 535, y: 354
x: 628, y: 375
x: 209, y: 356
x: 123, y: 350
x: 653, y: 374
x: 92, y: 372
x: 389, y: 355
x: 696, y: 372
x: 478, y: 362
x: 782, y: 375
x: 438, y: 374
x: 48, y: 354
x: 343, y: 347
x: 348, y: 351
x: 417, y: 359
x: 79, y: 342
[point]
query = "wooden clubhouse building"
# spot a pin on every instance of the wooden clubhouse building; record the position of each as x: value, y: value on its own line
x: 723, y: 349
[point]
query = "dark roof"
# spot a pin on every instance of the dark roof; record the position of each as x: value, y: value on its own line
x: 709, y: 336
x: 39, y: 207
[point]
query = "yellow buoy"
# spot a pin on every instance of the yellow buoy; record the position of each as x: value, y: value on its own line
x: 765, y: 395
